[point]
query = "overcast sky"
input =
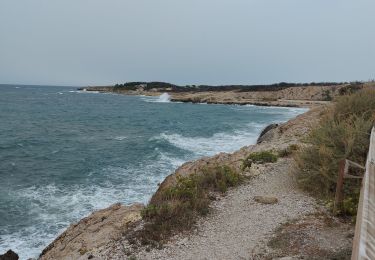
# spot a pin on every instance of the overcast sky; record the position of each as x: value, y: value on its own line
x: 88, y: 42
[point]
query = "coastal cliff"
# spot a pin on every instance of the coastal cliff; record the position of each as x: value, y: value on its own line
x: 266, y: 216
x: 107, y: 234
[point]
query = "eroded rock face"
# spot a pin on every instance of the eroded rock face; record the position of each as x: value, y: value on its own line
x: 82, y: 239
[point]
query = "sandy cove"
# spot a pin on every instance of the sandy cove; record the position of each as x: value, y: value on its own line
x: 237, y: 227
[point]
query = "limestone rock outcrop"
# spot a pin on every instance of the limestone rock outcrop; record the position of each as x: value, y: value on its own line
x: 82, y: 239
x: 266, y: 133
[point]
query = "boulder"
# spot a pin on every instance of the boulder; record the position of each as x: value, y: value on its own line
x: 9, y: 255
x: 266, y: 133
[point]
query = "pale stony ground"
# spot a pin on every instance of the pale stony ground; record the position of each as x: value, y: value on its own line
x: 237, y: 223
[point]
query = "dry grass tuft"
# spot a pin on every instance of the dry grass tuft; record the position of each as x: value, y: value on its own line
x: 343, y: 132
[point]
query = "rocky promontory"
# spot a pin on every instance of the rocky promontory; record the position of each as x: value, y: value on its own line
x: 82, y: 240
x: 105, y: 233
x: 260, y: 219
x: 281, y: 94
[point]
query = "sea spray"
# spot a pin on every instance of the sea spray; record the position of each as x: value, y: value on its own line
x: 164, y: 98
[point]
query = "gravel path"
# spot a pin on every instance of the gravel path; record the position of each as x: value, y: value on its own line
x: 238, y: 223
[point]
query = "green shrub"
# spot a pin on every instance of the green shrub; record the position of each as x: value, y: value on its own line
x: 259, y: 158
x: 327, y: 95
x: 177, y: 207
x: 343, y: 133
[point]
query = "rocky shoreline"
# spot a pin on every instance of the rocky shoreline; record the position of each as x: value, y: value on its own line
x: 283, y: 94
x: 102, y: 235
x: 305, y: 97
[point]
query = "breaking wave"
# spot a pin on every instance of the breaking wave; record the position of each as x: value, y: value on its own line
x: 55, y: 206
x: 219, y: 142
x: 163, y: 98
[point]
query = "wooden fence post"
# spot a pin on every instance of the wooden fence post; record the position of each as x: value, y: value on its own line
x: 339, y: 187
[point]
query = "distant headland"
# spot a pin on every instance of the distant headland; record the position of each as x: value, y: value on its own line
x: 278, y: 94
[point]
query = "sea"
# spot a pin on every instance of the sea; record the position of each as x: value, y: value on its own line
x: 65, y: 153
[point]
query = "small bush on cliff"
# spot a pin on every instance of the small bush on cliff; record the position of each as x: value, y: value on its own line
x: 351, y: 88
x: 343, y: 133
x: 290, y: 150
x: 177, y: 207
x: 327, y: 95
x: 260, y: 158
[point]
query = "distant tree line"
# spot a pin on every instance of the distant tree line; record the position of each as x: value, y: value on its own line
x: 147, y: 85
x: 242, y: 88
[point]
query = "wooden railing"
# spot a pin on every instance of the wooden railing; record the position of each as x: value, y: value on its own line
x: 364, y: 238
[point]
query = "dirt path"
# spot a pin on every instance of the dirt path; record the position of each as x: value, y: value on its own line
x: 238, y: 223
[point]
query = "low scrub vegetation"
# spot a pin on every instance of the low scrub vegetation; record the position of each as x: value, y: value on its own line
x: 178, y: 206
x: 351, y: 88
x: 290, y: 150
x: 241, y: 88
x: 259, y: 158
x: 327, y: 95
x: 343, y: 133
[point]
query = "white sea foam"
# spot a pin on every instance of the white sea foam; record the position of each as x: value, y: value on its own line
x: 84, y: 91
x: 163, y: 98
x: 232, y: 141
x: 219, y: 142
x: 120, y: 138
x: 55, y: 207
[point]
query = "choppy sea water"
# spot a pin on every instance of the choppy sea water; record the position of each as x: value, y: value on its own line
x: 65, y: 153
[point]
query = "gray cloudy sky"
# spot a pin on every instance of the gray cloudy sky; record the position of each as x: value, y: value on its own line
x: 81, y: 42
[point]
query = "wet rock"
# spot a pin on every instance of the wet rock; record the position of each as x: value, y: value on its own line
x: 9, y: 255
